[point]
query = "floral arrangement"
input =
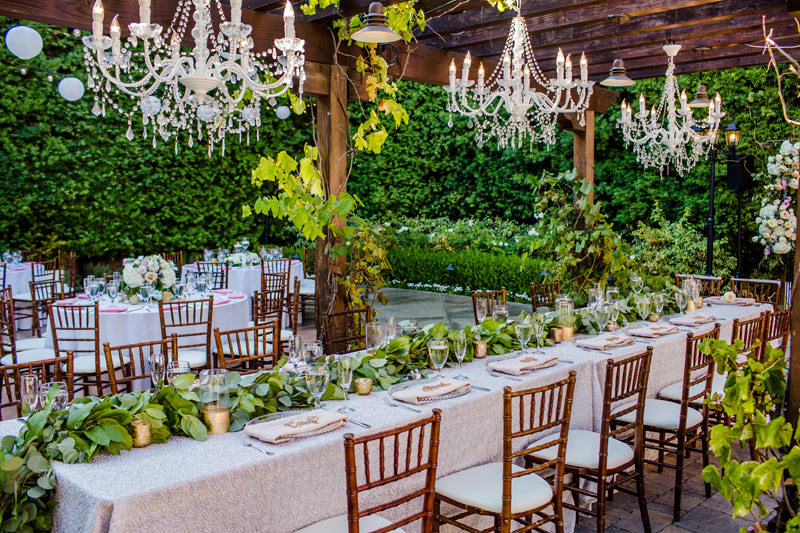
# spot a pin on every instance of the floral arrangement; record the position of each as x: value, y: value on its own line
x: 242, y: 258
x: 777, y: 222
x: 151, y: 269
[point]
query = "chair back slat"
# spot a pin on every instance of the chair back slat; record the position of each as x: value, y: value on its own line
x: 698, y: 369
x: 544, y: 294
x: 625, y: 385
x: 309, y: 262
x: 8, y: 328
x: 385, y: 450
x: 249, y: 350
x: 47, y: 291
x: 54, y: 369
x: 750, y: 332
x: 268, y: 307
x: 76, y: 329
x: 346, y: 331
x: 131, y: 362
x: 776, y: 327
x: 3, y: 275
x: 765, y: 291
x: 709, y: 285
x: 175, y: 257
x: 492, y: 299
x: 190, y: 321
x: 218, y: 271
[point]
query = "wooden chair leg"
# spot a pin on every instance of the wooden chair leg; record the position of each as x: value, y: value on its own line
x: 704, y: 439
x: 676, y: 507
x: 601, y: 502
x: 437, y: 509
x: 642, y: 496
x: 661, y: 438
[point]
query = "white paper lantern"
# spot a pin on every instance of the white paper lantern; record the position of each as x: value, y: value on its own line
x: 24, y: 42
x: 71, y: 89
x: 283, y: 112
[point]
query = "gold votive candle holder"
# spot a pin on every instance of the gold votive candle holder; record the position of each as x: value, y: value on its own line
x: 567, y: 333
x: 363, y: 386
x: 480, y: 349
x: 556, y: 334
x: 653, y: 317
x: 690, y: 306
x: 217, y: 418
x: 142, y: 436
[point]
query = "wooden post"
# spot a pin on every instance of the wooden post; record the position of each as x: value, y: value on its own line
x: 583, y: 151
x: 794, y: 341
x: 332, y: 131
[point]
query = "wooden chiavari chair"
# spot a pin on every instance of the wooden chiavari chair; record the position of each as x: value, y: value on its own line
x: 487, y: 489
x: 190, y: 321
x: 33, y: 256
x: 44, y: 270
x: 544, y: 294
x: 248, y: 350
x: 345, y: 331
x: 273, y: 271
x: 604, y: 457
x: 218, y: 271
x: 492, y: 298
x: 765, y: 291
x: 403, y: 452
x: 679, y: 425
x: 42, y: 294
x: 709, y: 285
x: 776, y: 327
x: 294, y: 306
x: 3, y: 267
x: 68, y: 271
x: 132, y: 361
x: 23, y: 303
x: 76, y: 329
x: 47, y: 370
x: 175, y: 257
x: 309, y: 262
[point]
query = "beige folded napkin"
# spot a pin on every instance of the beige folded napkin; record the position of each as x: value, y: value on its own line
x: 429, y: 391
x: 716, y: 300
x: 603, y: 342
x: 283, y: 429
x: 692, y: 321
x: 521, y: 365
x: 652, y: 331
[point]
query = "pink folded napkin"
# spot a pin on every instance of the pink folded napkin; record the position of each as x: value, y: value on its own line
x: 692, y: 321
x: 114, y: 309
x: 236, y: 296
x: 604, y: 342
x: 283, y: 429
x: 717, y: 300
x: 653, y: 331
x: 222, y: 291
x: 64, y: 302
x: 429, y: 391
x: 521, y: 365
x: 17, y: 269
x: 221, y: 301
x: 170, y: 307
x: 191, y: 266
x: 83, y: 296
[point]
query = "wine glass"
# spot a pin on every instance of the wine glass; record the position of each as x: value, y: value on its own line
x: 409, y: 329
x: 460, y: 350
x: 29, y: 391
x: 317, y: 379
x: 538, y: 329
x: 680, y: 299
x: 178, y: 289
x: 481, y: 308
x: 637, y: 283
x: 100, y: 290
x: 500, y: 313
x: 59, y: 394
x: 112, y: 289
x: 144, y: 294
x: 437, y: 353
x: 658, y: 301
x: 157, y: 368
x: 345, y: 379
x: 614, y: 313
x: 595, y: 298
x: 523, y: 330
x: 175, y: 369
x: 375, y: 336
x: 602, y: 313
x: 643, y: 306
x: 117, y: 277
x: 312, y: 351
x: 295, y: 346
x: 391, y: 328
x: 612, y: 295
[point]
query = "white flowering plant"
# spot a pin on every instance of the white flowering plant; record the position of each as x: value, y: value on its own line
x: 242, y: 258
x: 148, y: 269
x: 777, y: 221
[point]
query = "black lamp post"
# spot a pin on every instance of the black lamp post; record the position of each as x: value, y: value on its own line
x: 732, y: 135
x: 712, y: 157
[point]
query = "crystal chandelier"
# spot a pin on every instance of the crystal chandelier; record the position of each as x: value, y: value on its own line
x: 213, y: 91
x: 518, y: 101
x: 682, y: 140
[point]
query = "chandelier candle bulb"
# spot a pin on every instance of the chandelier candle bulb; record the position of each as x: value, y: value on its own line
x: 560, y: 66
x: 115, y: 33
x: 568, y: 69
x: 288, y: 20
x: 465, y: 68
x: 642, y: 107
x: 526, y: 76
x: 144, y: 12
x: 175, y: 46
x: 452, y: 73
x: 481, y: 75
x: 623, y: 111
x: 653, y: 114
x: 97, y: 20
x: 506, y: 67
x: 683, y: 101
x: 236, y: 11
x: 584, y: 68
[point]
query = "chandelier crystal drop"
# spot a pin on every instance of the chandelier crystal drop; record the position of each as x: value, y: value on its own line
x: 668, y: 135
x: 518, y: 101
x: 214, y: 90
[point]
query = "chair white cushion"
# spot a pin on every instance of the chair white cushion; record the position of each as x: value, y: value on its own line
x: 33, y: 343
x: 482, y: 486
x: 338, y: 524
x: 195, y: 358
x: 673, y: 392
x: 29, y: 356
x: 664, y: 414
x: 84, y: 364
x: 583, y: 450
x: 308, y: 287
x: 236, y: 349
x: 25, y: 297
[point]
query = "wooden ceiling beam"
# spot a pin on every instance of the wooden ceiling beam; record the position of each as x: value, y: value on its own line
x: 718, y: 64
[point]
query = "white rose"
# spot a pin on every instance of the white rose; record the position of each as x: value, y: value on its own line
x: 786, y: 148
x: 142, y: 269
x: 729, y: 297
x: 782, y: 248
x: 150, y: 276
x: 132, y: 277
x: 167, y: 278
x: 772, y: 223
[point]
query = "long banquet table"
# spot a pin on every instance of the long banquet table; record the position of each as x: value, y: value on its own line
x: 221, y: 485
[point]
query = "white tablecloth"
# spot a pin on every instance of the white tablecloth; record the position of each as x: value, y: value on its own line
x: 18, y: 277
x: 247, y: 280
x: 220, y: 485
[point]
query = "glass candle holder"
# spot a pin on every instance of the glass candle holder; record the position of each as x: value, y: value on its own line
x: 215, y: 400
x: 363, y: 386
x: 142, y: 435
x: 480, y: 349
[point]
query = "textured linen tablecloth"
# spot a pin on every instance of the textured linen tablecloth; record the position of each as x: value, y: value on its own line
x: 220, y: 485
x: 18, y: 277
x: 248, y: 279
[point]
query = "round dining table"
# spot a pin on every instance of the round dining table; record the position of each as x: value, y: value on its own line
x: 18, y: 277
x: 247, y: 280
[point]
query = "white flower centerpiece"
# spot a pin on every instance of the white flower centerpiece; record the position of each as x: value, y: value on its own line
x: 777, y: 222
x: 152, y: 269
x: 242, y: 259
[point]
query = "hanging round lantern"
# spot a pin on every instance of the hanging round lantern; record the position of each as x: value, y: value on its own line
x: 71, y: 89
x: 23, y: 42
x: 283, y: 112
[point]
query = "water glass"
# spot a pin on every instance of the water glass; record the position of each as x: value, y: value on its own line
x: 112, y: 289
x: 524, y: 329
x: 680, y: 299
x: 376, y: 335
x: 643, y: 306
x: 438, y: 351
x: 538, y: 320
x: 157, y: 368
x: 602, y: 313
x: 614, y: 313
x: 500, y: 313
x: 100, y: 289
x: 117, y: 277
x: 59, y: 392
x: 637, y: 283
x: 28, y: 392
x: 178, y: 290
x: 312, y: 351
x: 317, y: 378
x: 658, y: 301
x: 144, y: 294
x: 295, y: 346
x: 409, y: 328
x: 391, y: 328
x: 612, y: 295
x: 175, y: 369
x: 460, y: 350
x: 345, y: 365
x: 481, y: 308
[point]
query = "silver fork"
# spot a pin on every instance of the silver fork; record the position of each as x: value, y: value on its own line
x: 393, y: 403
x: 259, y: 448
x: 499, y: 375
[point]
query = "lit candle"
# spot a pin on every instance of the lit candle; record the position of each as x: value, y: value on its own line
x: 97, y: 20
x: 623, y: 113
x: 288, y: 21
x: 560, y: 65
x: 236, y: 11
x: 641, y: 104
x: 653, y: 113
x: 629, y: 112
x: 465, y: 67
x: 683, y: 100
x: 175, y: 45
x: 115, y: 32
x: 452, y: 73
x: 506, y: 66
x: 245, y: 57
x: 711, y: 108
x: 584, y: 68
x: 718, y: 99
x: 526, y: 74
x: 144, y: 11
x: 568, y: 69
x: 481, y: 74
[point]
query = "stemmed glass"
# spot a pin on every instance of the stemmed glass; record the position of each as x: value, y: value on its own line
x: 144, y: 294
x: 29, y: 391
x: 500, y: 313
x: 312, y: 351
x: 614, y: 313
x: 643, y: 306
x: 317, y: 379
x: 481, y: 309
x: 437, y: 353
x: 410, y: 328
x: 680, y: 299
x: 60, y: 397
x: 602, y: 312
x: 295, y: 351
x: 658, y: 302
x: 523, y: 330
x: 112, y: 289
x: 375, y: 336
x: 460, y: 350
x: 157, y: 368
x: 345, y: 379
x: 100, y: 290
x: 538, y: 329
x: 178, y: 290
x: 175, y: 369
x: 595, y: 298
x: 612, y: 295
x: 391, y: 328
x: 637, y: 283
x: 117, y: 277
